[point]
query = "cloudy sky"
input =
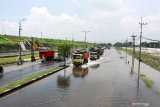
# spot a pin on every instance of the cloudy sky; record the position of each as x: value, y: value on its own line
x: 107, y: 20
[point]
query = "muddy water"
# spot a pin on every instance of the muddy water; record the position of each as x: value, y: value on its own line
x: 104, y: 83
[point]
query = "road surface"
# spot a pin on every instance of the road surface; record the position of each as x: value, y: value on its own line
x: 16, y: 72
x: 108, y: 82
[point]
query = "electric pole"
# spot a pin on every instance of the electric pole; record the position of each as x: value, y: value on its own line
x: 20, y: 28
x: 66, y: 39
x: 41, y: 34
x: 133, y: 45
x: 85, y: 32
x: 72, y: 42
x: 141, y: 27
x: 126, y: 44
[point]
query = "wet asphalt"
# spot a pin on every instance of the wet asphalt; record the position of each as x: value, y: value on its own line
x: 17, y: 74
x: 108, y: 82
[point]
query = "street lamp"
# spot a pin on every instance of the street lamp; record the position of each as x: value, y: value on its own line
x: 20, y: 54
x: 85, y: 38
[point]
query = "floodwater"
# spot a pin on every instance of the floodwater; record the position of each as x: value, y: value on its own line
x: 26, y: 71
x: 148, y: 71
x: 108, y: 82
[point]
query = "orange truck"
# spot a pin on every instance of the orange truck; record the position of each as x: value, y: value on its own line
x: 80, y: 58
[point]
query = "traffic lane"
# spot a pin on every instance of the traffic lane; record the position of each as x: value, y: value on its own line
x: 21, y: 73
x: 15, y: 67
x: 109, y: 84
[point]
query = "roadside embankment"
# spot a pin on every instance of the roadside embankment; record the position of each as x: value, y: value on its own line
x: 13, y: 86
x: 147, y: 58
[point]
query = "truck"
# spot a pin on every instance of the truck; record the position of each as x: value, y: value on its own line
x: 46, y: 55
x: 80, y: 58
x: 94, y: 55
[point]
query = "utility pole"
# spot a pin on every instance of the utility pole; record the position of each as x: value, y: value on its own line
x: 72, y: 42
x: 126, y: 44
x: 66, y: 39
x: 32, y: 50
x: 52, y: 44
x: 85, y: 32
x: 133, y: 45
x: 126, y: 49
x: 20, y: 28
x: 141, y: 27
x: 94, y: 44
x: 41, y: 34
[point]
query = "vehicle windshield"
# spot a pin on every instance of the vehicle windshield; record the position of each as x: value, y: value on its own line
x: 93, y: 53
x: 77, y: 57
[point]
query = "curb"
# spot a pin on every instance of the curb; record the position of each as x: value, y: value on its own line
x: 8, y: 91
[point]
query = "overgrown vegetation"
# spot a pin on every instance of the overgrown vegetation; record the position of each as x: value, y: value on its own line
x: 153, y: 61
x: 146, y: 80
x: 64, y: 50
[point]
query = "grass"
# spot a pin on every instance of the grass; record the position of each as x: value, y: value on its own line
x: 10, y: 60
x: 146, y: 80
x: 7, y: 40
x: 25, y: 80
x: 152, y: 61
x: 118, y: 51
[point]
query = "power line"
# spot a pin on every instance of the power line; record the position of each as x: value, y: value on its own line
x: 151, y: 39
x: 85, y: 37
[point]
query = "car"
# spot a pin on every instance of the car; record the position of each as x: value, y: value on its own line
x: 1, y: 70
x: 58, y: 58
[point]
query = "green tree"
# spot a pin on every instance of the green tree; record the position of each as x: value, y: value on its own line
x: 64, y: 51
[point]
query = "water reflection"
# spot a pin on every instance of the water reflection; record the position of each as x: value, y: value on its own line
x: 139, y: 67
x: 79, y: 72
x: 63, y: 81
x: 126, y: 60
x: 132, y: 66
x: 95, y: 66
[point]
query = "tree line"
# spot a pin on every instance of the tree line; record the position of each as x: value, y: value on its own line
x: 143, y: 44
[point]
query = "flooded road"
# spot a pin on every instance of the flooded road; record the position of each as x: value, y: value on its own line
x: 14, y: 75
x: 108, y: 82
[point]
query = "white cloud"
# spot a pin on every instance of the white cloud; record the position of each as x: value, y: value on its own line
x: 109, y: 20
x: 41, y: 20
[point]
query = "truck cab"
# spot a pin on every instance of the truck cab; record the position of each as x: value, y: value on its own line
x: 93, y: 55
x: 78, y: 59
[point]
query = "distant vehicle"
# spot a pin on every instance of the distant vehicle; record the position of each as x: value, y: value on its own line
x: 94, y: 56
x: 1, y: 70
x: 46, y: 55
x: 80, y: 58
x: 58, y: 58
